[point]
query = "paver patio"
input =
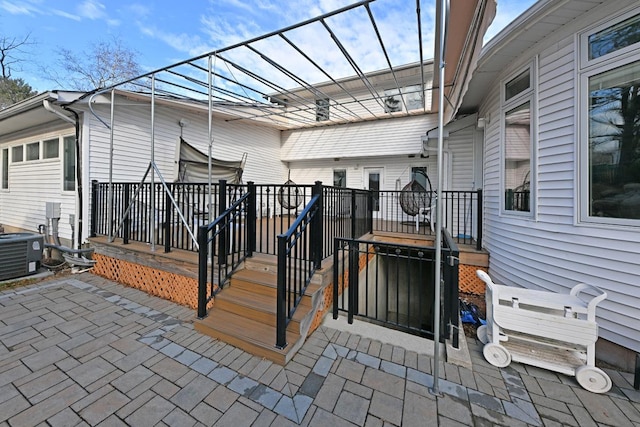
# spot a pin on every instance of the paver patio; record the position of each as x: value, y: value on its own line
x: 83, y: 350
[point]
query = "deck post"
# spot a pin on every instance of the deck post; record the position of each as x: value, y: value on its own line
x: 369, y: 211
x: 353, y: 214
x: 316, y: 228
x: 354, y: 271
x: 202, y: 271
x: 167, y: 222
x: 94, y: 206
x: 251, y: 219
x: 336, y: 260
x: 222, y: 236
x: 281, y: 321
x: 127, y: 221
x: 479, y: 225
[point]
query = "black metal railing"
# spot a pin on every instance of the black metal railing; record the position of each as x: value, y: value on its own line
x: 462, y: 214
x: 347, y: 213
x: 224, y: 244
x: 393, y: 285
x: 299, y: 256
x: 278, y: 206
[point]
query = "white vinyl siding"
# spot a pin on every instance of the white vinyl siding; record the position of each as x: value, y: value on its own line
x: 388, y: 137
x: 552, y: 251
x: 132, y: 140
x: 33, y: 183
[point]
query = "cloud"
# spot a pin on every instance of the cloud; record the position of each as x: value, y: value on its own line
x: 189, y: 44
x: 92, y: 9
x: 66, y: 15
x: 20, y: 8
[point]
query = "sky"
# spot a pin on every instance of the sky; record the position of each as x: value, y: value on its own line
x: 164, y: 32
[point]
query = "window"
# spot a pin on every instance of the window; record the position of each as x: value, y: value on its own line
x: 69, y: 160
x: 517, y: 142
x: 614, y: 38
x: 5, y: 168
x: 419, y: 174
x: 610, y: 142
x: 392, y: 101
x: 517, y: 85
x: 50, y: 149
x: 33, y: 151
x: 409, y: 97
x: 322, y: 110
x: 16, y: 154
x: 413, y: 95
x: 340, y: 178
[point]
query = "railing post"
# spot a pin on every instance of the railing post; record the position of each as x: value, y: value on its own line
x: 222, y: 236
x: 127, y: 221
x: 316, y: 228
x: 370, y: 211
x: 202, y: 271
x: 281, y: 320
x: 168, y: 220
x: 354, y: 271
x: 336, y: 275
x: 94, y: 207
x: 251, y: 219
x: 479, y: 225
x: 353, y: 214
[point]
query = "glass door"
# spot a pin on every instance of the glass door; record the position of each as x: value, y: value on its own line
x: 373, y: 182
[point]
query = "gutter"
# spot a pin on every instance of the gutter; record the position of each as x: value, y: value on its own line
x: 76, y: 124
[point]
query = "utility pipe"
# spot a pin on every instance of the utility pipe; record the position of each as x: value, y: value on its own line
x: 76, y: 124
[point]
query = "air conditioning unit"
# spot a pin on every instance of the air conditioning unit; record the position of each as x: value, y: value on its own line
x: 20, y: 254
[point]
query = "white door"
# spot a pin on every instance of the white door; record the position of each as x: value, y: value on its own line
x: 373, y: 181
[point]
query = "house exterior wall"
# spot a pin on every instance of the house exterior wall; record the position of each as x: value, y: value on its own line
x: 551, y: 249
x: 132, y: 145
x: 389, y: 137
x: 32, y: 183
x: 132, y: 140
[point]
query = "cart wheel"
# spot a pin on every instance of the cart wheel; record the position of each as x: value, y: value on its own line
x: 593, y: 379
x: 482, y: 334
x: 497, y: 355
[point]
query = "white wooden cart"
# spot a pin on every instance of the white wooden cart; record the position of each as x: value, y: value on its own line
x: 544, y: 329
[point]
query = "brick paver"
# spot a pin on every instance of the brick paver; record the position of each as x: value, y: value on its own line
x: 87, y: 351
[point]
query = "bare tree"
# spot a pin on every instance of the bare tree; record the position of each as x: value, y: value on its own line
x: 12, y: 52
x: 106, y: 63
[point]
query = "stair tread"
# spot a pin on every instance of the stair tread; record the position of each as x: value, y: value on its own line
x: 252, y: 331
x: 255, y: 300
x: 265, y: 278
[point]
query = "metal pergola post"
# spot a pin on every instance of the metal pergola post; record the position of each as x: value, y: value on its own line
x: 444, y: 9
x: 152, y: 198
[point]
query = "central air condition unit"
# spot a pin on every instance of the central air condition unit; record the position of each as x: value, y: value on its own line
x: 20, y: 254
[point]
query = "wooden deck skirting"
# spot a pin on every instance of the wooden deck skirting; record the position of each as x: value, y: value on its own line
x: 170, y: 286
x: 172, y: 276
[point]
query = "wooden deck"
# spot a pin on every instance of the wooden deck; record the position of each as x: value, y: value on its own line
x: 243, y: 314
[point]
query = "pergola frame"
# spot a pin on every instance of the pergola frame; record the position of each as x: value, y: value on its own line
x: 242, y: 91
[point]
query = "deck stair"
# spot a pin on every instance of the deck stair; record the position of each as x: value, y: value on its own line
x: 244, y: 312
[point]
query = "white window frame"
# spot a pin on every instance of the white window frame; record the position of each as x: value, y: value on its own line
x: 4, y: 167
x: 43, y: 143
x: 345, y: 176
x: 528, y: 95
x: 63, y: 164
x: 588, y: 68
x: 26, y: 151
